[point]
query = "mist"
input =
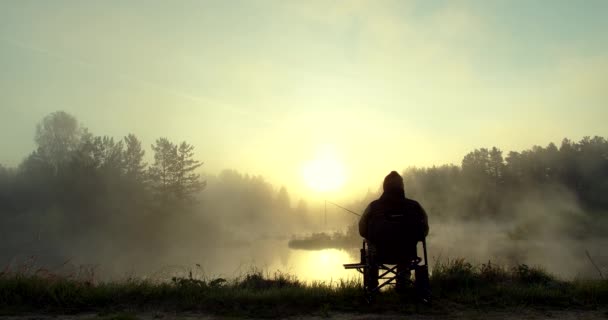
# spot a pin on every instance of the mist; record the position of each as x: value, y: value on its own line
x: 86, y: 200
x: 96, y: 201
x: 541, y: 207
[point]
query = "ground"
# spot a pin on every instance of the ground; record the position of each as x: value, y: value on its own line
x: 528, y: 314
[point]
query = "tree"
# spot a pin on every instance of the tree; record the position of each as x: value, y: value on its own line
x: 173, y: 173
x: 187, y: 181
x: 110, y: 154
x: 476, y: 165
x: 133, y: 157
x: 98, y: 153
x: 6, y: 182
x: 496, y: 166
x: 57, y: 136
x: 161, y: 172
x: 283, y: 203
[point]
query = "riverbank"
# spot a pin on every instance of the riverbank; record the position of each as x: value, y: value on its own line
x: 457, y: 287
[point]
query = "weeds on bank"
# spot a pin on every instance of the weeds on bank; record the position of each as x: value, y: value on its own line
x: 493, y: 285
x: 459, y: 274
x: 259, y: 294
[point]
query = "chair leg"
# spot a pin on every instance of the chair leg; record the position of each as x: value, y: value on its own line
x: 402, y: 279
x: 370, y: 278
x: 422, y: 284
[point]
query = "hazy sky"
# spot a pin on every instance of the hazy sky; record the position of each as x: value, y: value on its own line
x: 262, y: 86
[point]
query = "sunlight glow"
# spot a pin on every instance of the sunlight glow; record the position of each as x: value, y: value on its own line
x: 321, y: 265
x: 325, y: 172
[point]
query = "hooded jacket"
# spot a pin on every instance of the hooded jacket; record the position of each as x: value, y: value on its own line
x: 393, y: 219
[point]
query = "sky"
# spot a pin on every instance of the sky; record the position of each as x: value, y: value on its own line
x: 269, y: 87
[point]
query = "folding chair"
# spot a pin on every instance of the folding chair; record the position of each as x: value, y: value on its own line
x: 389, y: 266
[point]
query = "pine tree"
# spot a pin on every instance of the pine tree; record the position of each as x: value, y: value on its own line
x: 133, y: 159
x: 172, y: 173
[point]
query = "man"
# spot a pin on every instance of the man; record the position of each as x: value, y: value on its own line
x: 392, y: 226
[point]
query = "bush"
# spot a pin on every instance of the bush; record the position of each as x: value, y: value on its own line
x: 532, y: 275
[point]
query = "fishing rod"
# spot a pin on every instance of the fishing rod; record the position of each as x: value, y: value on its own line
x: 341, y: 207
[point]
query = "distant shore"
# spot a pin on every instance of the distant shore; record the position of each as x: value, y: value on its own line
x: 319, y: 241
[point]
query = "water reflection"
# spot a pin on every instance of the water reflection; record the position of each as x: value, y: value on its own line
x: 266, y: 256
x: 271, y: 256
x: 318, y: 265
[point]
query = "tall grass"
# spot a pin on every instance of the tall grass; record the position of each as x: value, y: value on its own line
x: 254, y: 293
x: 493, y: 285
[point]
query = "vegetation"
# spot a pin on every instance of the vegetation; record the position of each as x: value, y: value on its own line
x: 455, y: 284
x: 89, y: 197
x: 320, y: 240
x: 488, y: 185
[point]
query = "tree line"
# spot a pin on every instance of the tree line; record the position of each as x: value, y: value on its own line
x: 65, y: 149
x: 80, y: 189
x: 488, y: 185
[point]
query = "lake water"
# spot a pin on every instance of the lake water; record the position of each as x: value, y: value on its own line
x: 268, y: 256
x: 319, y: 265
x: 565, y: 258
x: 271, y: 257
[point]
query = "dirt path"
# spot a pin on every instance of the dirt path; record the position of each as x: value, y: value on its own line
x: 473, y: 315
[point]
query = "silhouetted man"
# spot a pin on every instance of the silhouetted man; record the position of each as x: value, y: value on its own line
x: 392, y: 226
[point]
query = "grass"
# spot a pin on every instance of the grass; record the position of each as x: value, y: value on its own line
x: 490, y: 285
x: 455, y: 283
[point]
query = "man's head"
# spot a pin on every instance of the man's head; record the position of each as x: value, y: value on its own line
x: 393, y: 181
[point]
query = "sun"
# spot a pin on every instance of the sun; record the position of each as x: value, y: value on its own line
x: 325, y: 172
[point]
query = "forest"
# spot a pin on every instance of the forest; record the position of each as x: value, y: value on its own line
x: 489, y: 185
x: 96, y: 198
x: 82, y: 195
